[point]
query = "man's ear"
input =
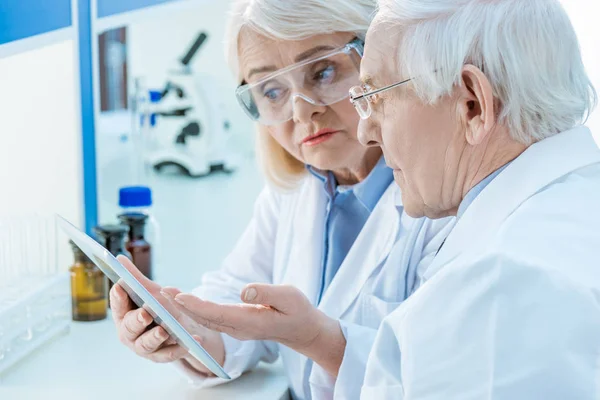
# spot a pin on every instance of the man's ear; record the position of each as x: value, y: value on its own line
x: 476, y: 104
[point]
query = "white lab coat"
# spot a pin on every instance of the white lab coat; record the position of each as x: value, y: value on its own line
x: 510, y: 307
x: 283, y: 245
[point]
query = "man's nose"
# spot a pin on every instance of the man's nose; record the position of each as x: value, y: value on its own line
x: 369, y: 133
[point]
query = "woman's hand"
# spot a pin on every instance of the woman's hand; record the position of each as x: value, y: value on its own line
x: 156, y: 344
x: 279, y: 313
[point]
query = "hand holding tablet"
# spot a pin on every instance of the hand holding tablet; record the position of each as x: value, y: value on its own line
x: 146, y: 295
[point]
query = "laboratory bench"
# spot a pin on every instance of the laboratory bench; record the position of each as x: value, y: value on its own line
x: 89, y: 363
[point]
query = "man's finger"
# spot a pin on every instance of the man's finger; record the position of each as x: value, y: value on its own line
x: 167, y: 299
x: 170, y: 292
x: 283, y: 298
x: 232, y: 319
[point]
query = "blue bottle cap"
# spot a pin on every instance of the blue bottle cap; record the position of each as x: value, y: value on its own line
x: 155, y: 96
x: 135, y: 196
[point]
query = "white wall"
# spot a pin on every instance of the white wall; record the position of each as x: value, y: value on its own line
x: 40, y: 136
x: 585, y: 16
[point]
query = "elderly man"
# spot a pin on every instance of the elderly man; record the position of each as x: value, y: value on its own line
x: 478, y: 113
x: 478, y: 107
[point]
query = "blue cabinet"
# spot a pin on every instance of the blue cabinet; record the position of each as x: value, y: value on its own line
x: 107, y: 8
x: 20, y: 19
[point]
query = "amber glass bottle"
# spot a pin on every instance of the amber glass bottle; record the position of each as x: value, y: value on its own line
x: 112, y: 238
x: 137, y: 245
x: 89, y: 288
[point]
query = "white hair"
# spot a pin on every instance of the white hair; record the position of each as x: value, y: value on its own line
x: 528, y: 49
x: 291, y: 20
x: 295, y: 20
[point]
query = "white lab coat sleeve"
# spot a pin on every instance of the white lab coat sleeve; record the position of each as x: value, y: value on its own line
x: 250, y: 261
x: 382, y: 379
x: 502, y: 327
x: 359, y: 341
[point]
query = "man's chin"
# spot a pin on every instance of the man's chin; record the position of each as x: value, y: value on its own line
x: 412, y: 208
x: 414, y: 212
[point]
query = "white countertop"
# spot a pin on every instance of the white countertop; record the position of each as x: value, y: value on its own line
x: 89, y: 363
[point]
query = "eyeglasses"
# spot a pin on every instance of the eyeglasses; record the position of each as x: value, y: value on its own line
x: 361, y: 97
x: 320, y: 81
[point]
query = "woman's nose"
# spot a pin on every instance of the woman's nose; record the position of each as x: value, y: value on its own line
x: 369, y: 134
x: 305, y: 110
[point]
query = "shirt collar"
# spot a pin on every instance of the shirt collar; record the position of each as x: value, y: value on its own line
x: 368, y: 192
x: 398, y: 199
x: 476, y: 190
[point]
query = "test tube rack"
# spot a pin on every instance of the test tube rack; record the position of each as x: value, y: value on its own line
x: 35, y: 303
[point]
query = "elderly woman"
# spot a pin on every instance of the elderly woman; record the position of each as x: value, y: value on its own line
x: 325, y: 223
x: 479, y: 113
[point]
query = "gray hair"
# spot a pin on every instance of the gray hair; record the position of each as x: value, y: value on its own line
x: 291, y: 20
x: 528, y: 49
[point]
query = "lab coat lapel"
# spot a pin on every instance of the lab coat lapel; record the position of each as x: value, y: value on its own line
x: 370, y: 249
x: 305, y: 256
x: 541, y: 164
x: 306, y: 246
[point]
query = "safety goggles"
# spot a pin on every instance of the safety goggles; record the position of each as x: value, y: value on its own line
x: 320, y: 81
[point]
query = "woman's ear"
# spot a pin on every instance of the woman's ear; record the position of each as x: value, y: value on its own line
x: 476, y: 104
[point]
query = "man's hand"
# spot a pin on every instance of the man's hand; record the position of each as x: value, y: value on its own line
x: 278, y: 313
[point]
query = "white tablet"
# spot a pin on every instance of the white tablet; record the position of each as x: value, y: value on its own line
x: 140, y: 296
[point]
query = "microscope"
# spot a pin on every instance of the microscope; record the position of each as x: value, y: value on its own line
x: 187, y: 126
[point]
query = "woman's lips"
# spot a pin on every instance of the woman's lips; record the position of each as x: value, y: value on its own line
x: 319, y: 137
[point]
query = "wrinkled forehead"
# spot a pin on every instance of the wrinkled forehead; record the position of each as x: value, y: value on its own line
x: 380, y: 65
x: 260, y: 55
x: 253, y: 46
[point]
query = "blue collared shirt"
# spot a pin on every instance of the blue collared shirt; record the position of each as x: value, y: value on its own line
x: 348, y: 208
x: 473, y: 193
x: 476, y: 190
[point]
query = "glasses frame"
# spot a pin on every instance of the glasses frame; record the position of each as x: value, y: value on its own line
x: 367, y: 95
x: 356, y: 44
